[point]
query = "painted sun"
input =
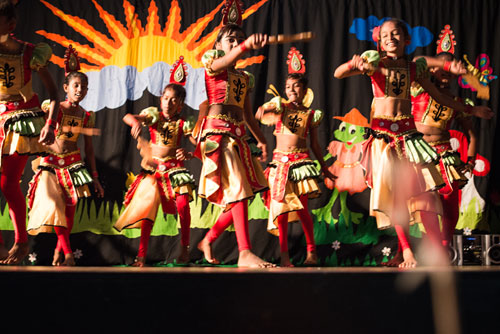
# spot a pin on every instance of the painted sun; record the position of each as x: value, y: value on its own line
x: 141, y: 45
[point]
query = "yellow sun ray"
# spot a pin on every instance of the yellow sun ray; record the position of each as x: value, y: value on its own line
x: 141, y: 45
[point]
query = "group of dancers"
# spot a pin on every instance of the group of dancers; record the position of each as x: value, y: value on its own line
x: 401, y: 157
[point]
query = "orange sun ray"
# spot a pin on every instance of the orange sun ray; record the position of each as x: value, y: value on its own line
x: 115, y: 28
x: 138, y: 45
x: 100, y: 41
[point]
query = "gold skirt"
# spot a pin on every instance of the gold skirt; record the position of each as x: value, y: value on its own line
x: 400, y: 189
x: 233, y: 185
x: 291, y: 201
x: 49, y: 204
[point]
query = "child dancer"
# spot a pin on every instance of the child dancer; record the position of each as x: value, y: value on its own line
x: 23, y: 130
x: 165, y: 180
x: 292, y: 174
x: 403, y: 176
x: 62, y: 177
x: 229, y: 175
x: 433, y: 120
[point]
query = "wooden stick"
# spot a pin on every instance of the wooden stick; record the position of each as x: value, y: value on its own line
x: 300, y: 37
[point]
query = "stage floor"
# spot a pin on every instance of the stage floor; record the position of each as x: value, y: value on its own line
x: 238, y: 300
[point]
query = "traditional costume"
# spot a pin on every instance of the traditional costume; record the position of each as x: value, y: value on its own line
x: 230, y: 173
x: 169, y: 183
x: 291, y: 175
x: 21, y: 121
x: 61, y: 177
x: 397, y: 153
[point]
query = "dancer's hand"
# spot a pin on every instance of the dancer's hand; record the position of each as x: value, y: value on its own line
x: 482, y: 112
x: 263, y: 148
x: 47, y: 136
x: 136, y: 129
x: 358, y: 63
x: 457, y: 67
x: 181, y: 154
x: 98, y: 187
x: 256, y: 41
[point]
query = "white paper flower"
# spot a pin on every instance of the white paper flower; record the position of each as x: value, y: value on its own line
x: 336, y: 245
x: 32, y: 257
x: 386, y: 251
x: 467, y: 231
x: 77, y: 253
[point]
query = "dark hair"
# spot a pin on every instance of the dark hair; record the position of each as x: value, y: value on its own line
x: 446, y: 54
x: 228, y: 29
x: 400, y: 24
x: 7, y: 9
x: 179, y: 91
x: 299, y: 77
x: 73, y: 74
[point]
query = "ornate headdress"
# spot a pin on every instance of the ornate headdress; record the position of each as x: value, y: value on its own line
x: 446, y: 41
x: 71, y: 60
x: 232, y: 13
x: 178, y: 72
x: 296, y: 64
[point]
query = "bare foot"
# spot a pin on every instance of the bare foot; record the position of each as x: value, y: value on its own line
x: 250, y: 260
x: 139, y: 262
x: 206, y: 248
x: 311, y: 259
x: 69, y: 260
x: 409, y: 260
x: 17, y: 253
x: 58, y: 258
x: 184, y: 255
x: 285, y: 260
x: 3, y: 252
x: 395, y: 261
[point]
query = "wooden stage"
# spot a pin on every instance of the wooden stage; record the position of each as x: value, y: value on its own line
x: 233, y: 300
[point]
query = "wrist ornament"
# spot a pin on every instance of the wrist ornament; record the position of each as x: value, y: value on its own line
x: 50, y: 122
x: 447, y: 66
x: 243, y: 47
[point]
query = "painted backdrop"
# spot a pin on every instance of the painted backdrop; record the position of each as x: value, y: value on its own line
x: 127, y: 49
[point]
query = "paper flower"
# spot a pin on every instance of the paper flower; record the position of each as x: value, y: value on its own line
x: 386, y: 251
x: 336, y: 245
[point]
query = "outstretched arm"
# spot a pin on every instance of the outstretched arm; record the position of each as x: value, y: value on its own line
x: 468, y: 128
x: 357, y: 65
x: 255, y: 41
x: 479, y: 111
x: 134, y: 121
x: 453, y: 66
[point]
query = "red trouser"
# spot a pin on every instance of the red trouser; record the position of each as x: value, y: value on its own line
x: 63, y: 232
x: 238, y: 214
x: 307, y: 226
x: 450, y: 215
x: 182, y: 203
x: 12, y: 170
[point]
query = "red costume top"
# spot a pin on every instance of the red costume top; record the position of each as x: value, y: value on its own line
x: 165, y: 132
x: 228, y: 87
x: 427, y: 111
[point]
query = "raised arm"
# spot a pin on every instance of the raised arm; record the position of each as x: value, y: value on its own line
x: 135, y: 122
x: 483, y: 111
x: 453, y: 66
x: 255, y: 41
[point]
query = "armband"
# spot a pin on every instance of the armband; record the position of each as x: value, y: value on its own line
x: 50, y: 122
x: 446, y: 66
x: 243, y: 47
